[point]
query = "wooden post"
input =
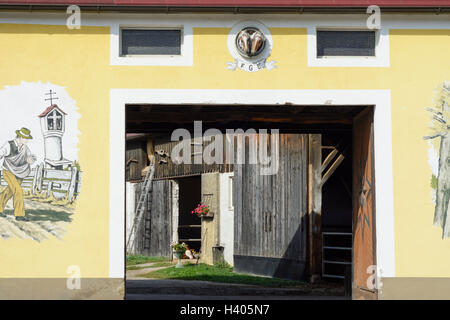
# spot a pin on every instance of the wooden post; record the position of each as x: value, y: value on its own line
x: 210, y: 227
x: 49, y: 188
x: 39, y: 175
x: 315, y: 205
x: 33, y: 187
x: 73, y: 184
x: 150, y: 149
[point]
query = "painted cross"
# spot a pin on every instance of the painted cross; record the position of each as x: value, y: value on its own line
x: 51, y: 93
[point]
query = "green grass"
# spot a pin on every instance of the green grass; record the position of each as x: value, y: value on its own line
x: 218, y: 274
x: 162, y: 264
x: 135, y: 267
x: 138, y: 259
x: 156, y: 265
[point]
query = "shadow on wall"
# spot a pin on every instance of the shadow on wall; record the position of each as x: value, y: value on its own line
x: 289, y: 268
x: 45, y: 215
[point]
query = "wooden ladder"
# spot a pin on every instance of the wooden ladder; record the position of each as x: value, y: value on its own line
x: 141, y: 205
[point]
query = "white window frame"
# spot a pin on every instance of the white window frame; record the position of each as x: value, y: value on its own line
x: 381, y: 58
x: 149, y: 55
x: 185, y: 58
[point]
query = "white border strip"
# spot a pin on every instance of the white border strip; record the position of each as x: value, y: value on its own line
x: 216, y: 20
x: 189, y: 21
x: 383, y: 150
x: 117, y: 210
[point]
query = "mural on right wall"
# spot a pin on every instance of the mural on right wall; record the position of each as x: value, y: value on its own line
x: 439, y: 156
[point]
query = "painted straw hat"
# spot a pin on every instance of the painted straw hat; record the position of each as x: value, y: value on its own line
x: 24, y: 133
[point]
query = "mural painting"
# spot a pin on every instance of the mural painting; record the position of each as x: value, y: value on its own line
x: 39, y: 185
x: 439, y: 155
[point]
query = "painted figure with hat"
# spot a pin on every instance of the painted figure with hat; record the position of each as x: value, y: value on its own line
x: 15, y: 161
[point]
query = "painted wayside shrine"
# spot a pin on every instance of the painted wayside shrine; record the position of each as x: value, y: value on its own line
x: 42, y: 188
x: 318, y: 145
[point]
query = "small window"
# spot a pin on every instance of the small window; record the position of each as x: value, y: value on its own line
x: 345, y: 43
x: 54, y: 121
x: 150, y: 42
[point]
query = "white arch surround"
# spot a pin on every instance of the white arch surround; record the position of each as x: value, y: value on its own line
x: 381, y: 99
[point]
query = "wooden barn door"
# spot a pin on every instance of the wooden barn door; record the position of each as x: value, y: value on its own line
x: 270, y: 212
x: 155, y: 232
x: 364, y: 253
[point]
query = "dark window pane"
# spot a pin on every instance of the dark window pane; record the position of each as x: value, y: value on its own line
x: 345, y: 43
x: 146, y: 42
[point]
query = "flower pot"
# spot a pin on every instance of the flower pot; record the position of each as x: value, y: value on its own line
x: 209, y: 215
x: 179, y: 255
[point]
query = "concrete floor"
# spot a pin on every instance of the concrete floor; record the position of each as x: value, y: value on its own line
x: 193, y: 297
x: 157, y: 289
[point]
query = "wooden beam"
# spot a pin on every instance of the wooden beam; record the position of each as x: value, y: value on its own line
x: 329, y: 158
x: 331, y: 155
x: 168, y: 127
x: 189, y: 116
x: 332, y: 168
x: 315, y: 206
x: 150, y: 148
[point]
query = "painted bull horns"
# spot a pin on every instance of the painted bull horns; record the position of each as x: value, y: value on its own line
x: 250, y: 42
x: 257, y: 42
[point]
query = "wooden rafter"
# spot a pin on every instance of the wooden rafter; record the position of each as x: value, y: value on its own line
x: 337, y: 158
x: 332, y: 168
x: 329, y: 158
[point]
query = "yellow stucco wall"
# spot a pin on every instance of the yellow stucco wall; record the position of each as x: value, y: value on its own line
x: 79, y: 60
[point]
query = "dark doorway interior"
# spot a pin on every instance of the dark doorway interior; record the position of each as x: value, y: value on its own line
x: 189, y: 225
x: 337, y: 211
x: 334, y: 123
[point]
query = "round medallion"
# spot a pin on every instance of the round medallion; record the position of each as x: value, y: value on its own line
x: 250, y: 42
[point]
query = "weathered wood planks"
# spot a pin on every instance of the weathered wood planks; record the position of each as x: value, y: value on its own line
x: 315, y: 205
x: 166, y: 168
x: 155, y: 232
x: 135, y: 159
x: 270, y: 211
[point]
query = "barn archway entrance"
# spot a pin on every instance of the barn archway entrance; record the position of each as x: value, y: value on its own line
x: 305, y: 222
